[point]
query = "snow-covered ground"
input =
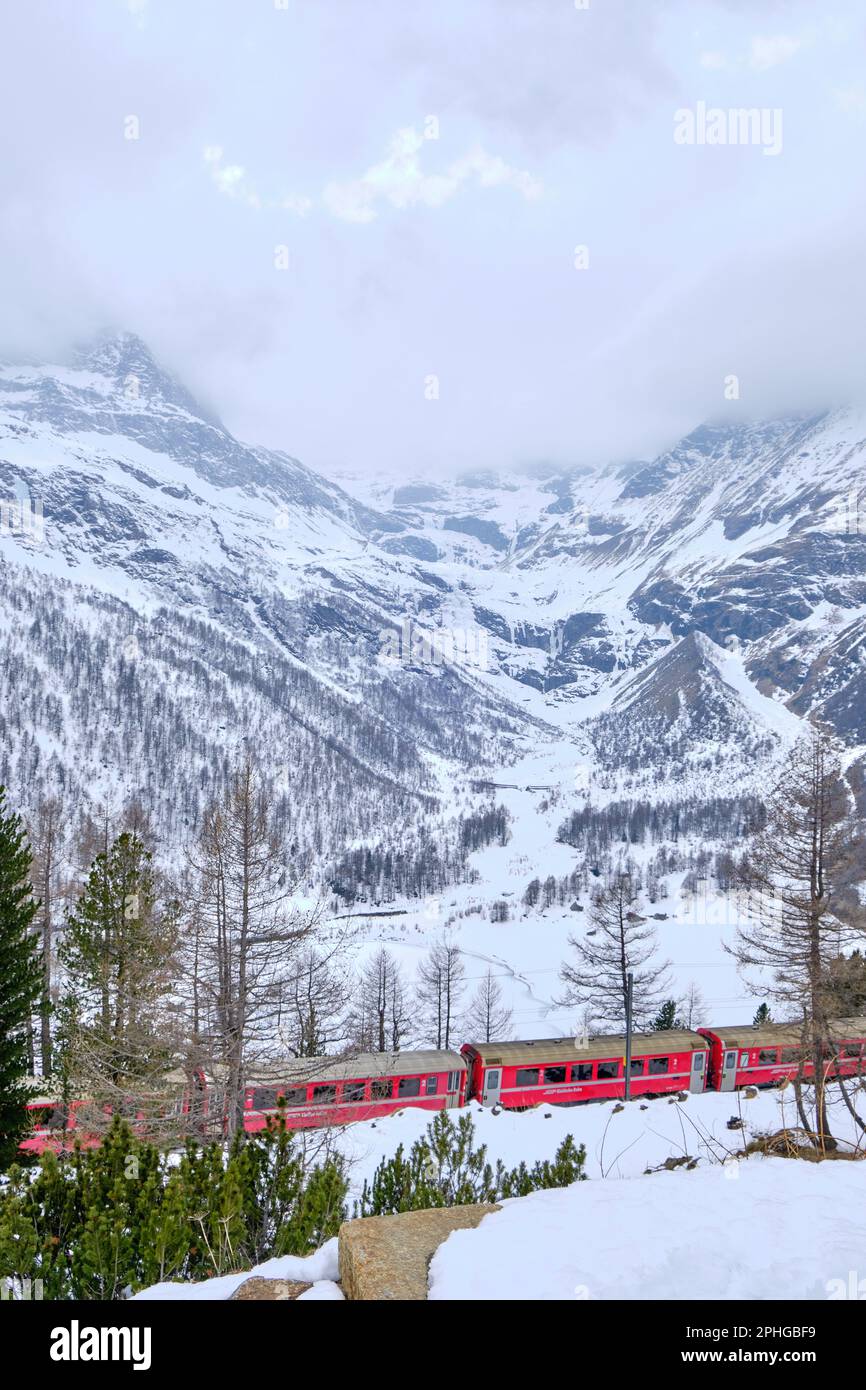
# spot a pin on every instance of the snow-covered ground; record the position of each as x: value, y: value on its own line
x: 771, y: 1229
x: 619, y: 1143
x: 319, y: 1269
x: 726, y: 1229
x: 526, y: 952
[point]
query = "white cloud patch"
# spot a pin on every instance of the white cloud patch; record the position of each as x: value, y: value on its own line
x: 231, y: 180
x: 766, y: 53
x: 399, y: 180
x: 713, y: 60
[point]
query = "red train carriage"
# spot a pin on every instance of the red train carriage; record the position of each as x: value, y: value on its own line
x: 323, y: 1091
x: 744, y: 1055
x: 58, y: 1126
x: 568, y: 1071
x: 517, y: 1075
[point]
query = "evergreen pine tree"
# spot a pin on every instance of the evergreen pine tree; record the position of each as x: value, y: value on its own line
x: 762, y: 1015
x: 118, y: 953
x: 20, y: 980
x: 666, y: 1018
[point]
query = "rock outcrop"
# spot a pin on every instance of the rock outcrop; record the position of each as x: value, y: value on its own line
x: 387, y: 1257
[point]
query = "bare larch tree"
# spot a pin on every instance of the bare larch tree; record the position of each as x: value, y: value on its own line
x: 618, y: 941
x: 47, y: 842
x: 798, y: 921
x: 440, y: 987
x: 379, y: 1020
x: 246, y: 935
x: 487, y: 1019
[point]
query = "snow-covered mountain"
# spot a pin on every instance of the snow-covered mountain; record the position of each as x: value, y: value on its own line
x: 167, y: 591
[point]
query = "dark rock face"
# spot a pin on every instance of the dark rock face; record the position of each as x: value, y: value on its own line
x: 418, y: 547
x: 486, y: 531
x: 417, y: 492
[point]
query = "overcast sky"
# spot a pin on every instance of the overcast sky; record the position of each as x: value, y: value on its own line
x: 329, y: 203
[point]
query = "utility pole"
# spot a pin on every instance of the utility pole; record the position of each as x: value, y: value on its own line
x: 628, y: 999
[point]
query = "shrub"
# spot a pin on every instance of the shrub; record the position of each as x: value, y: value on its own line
x: 101, y: 1223
x: 444, y: 1169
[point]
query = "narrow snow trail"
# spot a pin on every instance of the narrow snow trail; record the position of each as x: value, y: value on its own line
x: 544, y: 1005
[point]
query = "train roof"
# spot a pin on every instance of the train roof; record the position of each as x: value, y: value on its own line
x: 542, y: 1050
x: 782, y: 1034
x: 361, y: 1066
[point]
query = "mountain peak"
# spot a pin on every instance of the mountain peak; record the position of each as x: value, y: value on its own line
x: 126, y: 359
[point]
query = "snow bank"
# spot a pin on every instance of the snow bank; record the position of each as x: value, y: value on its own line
x: 619, y: 1143
x: 761, y: 1229
x: 321, y: 1269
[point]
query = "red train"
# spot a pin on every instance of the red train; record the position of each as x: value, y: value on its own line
x: 559, y: 1071
x: 359, y: 1088
x: 515, y: 1075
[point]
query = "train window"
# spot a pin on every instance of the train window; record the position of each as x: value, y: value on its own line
x: 324, y: 1095
x: 264, y: 1098
x: 39, y: 1115
x: 790, y: 1055
x: 491, y: 1080
x: 408, y: 1086
x: 554, y: 1076
x: 381, y: 1089
x: 296, y: 1096
x: 453, y: 1080
x: 608, y: 1070
x: 768, y: 1056
x: 658, y: 1066
x: 431, y: 1085
x: 353, y: 1090
x: 698, y: 1061
x: 637, y: 1066
x: 850, y: 1050
x: 527, y: 1076
x: 581, y: 1071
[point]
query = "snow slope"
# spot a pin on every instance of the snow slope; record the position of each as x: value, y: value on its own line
x: 713, y: 1234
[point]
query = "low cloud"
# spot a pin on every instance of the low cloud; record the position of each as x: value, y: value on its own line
x: 231, y: 180
x: 766, y: 53
x: 399, y: 181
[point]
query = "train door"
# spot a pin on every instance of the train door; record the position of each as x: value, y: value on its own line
x: 453, y: 1089
x: 729, y: 1070
x: 697, y: 1079
x: 492, y: 1085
